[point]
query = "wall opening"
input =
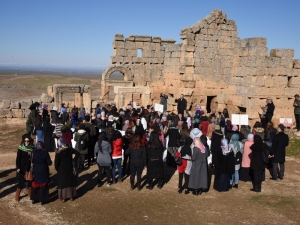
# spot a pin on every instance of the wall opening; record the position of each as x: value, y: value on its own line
x: 243, y: 110
x: 289, y: 81
x: 140, y: 53
x: 117, y: 75
x: 208, y: 103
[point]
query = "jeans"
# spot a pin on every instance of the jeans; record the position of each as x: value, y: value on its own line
x: 39, y: 135
x: 118, y: 163
x: 108, y: 173
x: 235, y: 177
x: 278, y: 172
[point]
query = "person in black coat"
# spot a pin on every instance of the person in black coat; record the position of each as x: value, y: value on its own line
x: 40, y: 185
x: 257, y: 165
x: 154, y: 151
x: 23, y: 164
x: 138, y: 160
x: 216, y: 139
x: 127, y: 139
x: 64, y: 164
x: 279, y: 144
x: 270, y: 110
x: 181, y: 104
x: 173, y: 144
x: 48, y: 130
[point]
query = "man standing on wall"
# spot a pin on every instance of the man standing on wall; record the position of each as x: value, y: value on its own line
x: 270, y: 110
x: 297, y: 111
x: 181, y: 104
x: 163, y: 101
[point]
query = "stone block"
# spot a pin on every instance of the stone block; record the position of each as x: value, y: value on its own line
x: 119, y: 37
x: 116, y: 59
x: 120, y: 52
x: 15, y: 105
x: 130, y: 45
x: 143, y: 38
x: 281, y: 52
x: 5, y: 113
x: 119, y: 44
x: 156, y: 39
x: 17, y: 113
x: 287, y: 62
x: 5, y: 104
x: 296, y: 63
x: 25, y: 104
x: 46, y: 98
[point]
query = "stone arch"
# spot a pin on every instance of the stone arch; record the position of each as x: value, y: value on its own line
x: 113, y: 68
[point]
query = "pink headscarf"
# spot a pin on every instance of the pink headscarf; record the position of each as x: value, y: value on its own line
x: 198, y: 107
x: 234, y: 128
x: 199, y: 144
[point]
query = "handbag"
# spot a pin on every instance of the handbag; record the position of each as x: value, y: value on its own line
x: 29, y: 175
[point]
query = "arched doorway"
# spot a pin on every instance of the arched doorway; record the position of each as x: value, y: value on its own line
x: 112, y: 76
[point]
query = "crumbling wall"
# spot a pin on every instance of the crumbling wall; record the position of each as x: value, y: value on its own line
x: 211, y: 61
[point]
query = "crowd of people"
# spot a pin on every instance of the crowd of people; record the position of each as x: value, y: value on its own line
x: 123, y: 142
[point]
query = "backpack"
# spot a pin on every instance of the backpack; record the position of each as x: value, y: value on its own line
x: 82, y: 143
x: 264, y: 156
x: 238, y: 158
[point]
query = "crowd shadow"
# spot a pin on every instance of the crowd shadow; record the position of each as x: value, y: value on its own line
x: 9, y: 182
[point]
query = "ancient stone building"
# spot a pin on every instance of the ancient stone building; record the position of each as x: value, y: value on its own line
x: 211, y: 66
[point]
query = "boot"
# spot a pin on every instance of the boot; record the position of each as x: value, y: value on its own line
x: 17, y: 198
x: 149, y: 186
x: 255, y: 189
x: 259, y: 188
x: 131, y: 186
x: 29, y: 191
x: 236, y: 186
x: 186, y: 191
x: 159, y: 186
x: 138, y: 187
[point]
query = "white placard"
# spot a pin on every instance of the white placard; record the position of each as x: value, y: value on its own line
x: 134, y: 105
x: 159, y: 107
x: 239, y: 119
x: 287, y: 122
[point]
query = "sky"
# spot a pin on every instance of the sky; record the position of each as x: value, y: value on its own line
x: 77, y: 33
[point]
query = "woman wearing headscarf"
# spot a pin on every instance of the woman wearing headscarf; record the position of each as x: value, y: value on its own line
x: 48, y: 130
x: 23, y: 164
x: 103, y: 149
x: 257, y: 164
x: 138, y: 160
x: 154, y: 151
x: 185, y: 154
x: 245, y: 172
x: 216, y: 139
x: 237, y: 147
x: 64, y: 165
x: 224, y: 167
x: 198, y: 180
x: 67, y: 133
x: 211, y: 126
x: 82, y: 138
x: 38, y: 126
x: 40, y: 185
x: 127, y: 139
x: 173, y: 143
x: 45, y: 112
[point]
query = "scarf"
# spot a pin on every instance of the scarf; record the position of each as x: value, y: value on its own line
x: 24, y: 148
x: 235, y: 142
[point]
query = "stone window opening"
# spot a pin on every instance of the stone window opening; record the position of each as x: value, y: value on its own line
x: 289, y: 81
x: 140, y: 53
x: 243, y: 110
x: 208, y: 103
x: 116, y: 75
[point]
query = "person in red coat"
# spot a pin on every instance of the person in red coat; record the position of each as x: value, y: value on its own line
x: 183, y: 170
x: 204, y: 125
x: 66, y: 133
x: 116, y: 144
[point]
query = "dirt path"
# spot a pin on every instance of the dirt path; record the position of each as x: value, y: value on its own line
x: 278, y: 203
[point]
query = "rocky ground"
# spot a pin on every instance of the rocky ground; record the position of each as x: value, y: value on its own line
x: 278, y: 203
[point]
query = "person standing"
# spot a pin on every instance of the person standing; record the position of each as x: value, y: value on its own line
x: 103, y: 148
x: 117, y: 145
x: 48, y: 131
x: 246, y: 160
x: 154, y: 151
x: 63, y: 163
x: 40, y: 185
x: 270, y: 110
x: 164, y: 101
x: 63, y: 113
x: 237, y: 147
x: 198, y: 180
x: 279, y: 144
x: 181, y: 104
x: 297, y: 111
x: 137, y: 154
x: 90, y: 129
x: 23, y: 164
x: 82, y: 139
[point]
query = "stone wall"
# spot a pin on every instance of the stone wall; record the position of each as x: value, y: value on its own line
x: 211, y: 66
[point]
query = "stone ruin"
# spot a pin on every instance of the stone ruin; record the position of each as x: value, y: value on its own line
x: 212, y: 66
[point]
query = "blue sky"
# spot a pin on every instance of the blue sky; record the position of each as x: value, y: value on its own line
x: 80, y: 33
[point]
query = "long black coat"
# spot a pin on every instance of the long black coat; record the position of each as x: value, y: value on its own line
x: 23, y: 163
x: 256, y: 156
x: 64, y: 167
x: 181, y: 104
x: 54, y: 116
x: 215, y: 146
x: 280, y: 142
x: 155, y: 163
x: 174, y: 137
x: 41, y: 162
x: 48, y: 137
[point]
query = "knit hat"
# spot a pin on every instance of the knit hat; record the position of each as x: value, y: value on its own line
x: 250, y: 137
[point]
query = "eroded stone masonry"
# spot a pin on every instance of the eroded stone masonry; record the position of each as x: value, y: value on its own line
x: 211, y: 66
